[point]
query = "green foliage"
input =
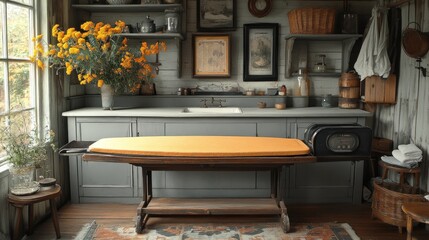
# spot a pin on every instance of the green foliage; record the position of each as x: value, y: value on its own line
x: 23, y: 144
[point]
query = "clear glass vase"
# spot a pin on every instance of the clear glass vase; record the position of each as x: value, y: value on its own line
x: 21, y: 180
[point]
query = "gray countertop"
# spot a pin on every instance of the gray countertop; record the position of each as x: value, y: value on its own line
x: 177, y: 112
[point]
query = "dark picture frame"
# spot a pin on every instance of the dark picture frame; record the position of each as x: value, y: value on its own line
x: 211, y: 55
x: 260, y: 52
x: 219, y: 15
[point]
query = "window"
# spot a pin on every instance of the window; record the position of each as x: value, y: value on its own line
x: 18, y: 79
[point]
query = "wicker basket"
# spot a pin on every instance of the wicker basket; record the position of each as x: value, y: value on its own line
x: 387, y: 201
x: 311, y: 20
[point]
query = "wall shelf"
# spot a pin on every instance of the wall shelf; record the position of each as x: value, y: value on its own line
x: 128, y: 7
x: 347, y: 41
x: 160, y: 35
x: 139, y: 8
x: 321, y: 74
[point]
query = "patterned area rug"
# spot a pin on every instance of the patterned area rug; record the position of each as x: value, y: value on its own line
x: 259, y: 231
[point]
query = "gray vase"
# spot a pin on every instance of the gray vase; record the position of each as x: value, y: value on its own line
x: 107, y: 97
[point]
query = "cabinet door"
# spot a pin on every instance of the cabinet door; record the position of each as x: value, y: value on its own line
x: 150, y: 127
x: 272, y: 128
x: 104, y: 181
x: 213, y: 127
x: 323, y: 181
x: 213, y: 183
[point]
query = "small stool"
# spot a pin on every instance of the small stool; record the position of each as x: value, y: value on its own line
x: 403, y: 171
x: 418, y: 211
x: 20, y: 201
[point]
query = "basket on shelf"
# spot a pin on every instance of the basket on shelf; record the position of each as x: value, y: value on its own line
x: 388, y: 198
x: 312, y: 20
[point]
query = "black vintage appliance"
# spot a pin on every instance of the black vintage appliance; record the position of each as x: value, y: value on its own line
x: 339, y: 140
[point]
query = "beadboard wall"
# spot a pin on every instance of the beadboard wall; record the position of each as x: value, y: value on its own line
x: 167, y: 82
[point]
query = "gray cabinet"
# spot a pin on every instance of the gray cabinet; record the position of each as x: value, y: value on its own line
x: 112, y: 182
x: 323, y: 181
x: 101, y: 181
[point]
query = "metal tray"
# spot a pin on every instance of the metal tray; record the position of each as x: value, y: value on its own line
x: 75, y: 148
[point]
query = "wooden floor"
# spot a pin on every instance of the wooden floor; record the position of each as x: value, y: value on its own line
x: 74, y: 216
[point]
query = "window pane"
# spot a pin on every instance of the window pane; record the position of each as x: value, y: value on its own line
x: 2, y: 124
x: 17, y: 129
x: 19, y: 85
x: 22, y: 123
x: 2, y: 95
x: 27, y: 2
x: 18, y: 31
x: 1, y: 28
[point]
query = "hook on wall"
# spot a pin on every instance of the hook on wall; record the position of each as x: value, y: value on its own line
x: 422, y: 69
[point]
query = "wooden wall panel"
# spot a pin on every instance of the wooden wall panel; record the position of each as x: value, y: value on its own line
x: 408, y: 120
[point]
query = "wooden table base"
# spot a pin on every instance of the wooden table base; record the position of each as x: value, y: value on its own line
x: 212, y: 206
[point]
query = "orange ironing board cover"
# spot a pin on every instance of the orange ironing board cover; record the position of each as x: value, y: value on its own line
x: 201, y: 146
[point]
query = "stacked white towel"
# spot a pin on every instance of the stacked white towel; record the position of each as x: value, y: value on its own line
x: 408, y: 153
x: 410, y: 150
x: 393, y: 161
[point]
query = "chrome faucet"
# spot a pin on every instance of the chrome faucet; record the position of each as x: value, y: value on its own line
x: 220, y: 101
x: 205, y: 102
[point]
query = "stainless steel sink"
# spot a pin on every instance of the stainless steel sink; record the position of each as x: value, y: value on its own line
x: 224, y: 110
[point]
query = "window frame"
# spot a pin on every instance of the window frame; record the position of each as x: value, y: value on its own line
x: 37, y: 77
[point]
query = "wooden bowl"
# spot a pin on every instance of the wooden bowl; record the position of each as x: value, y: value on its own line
x: 280, y: 106
x: 262, y: 104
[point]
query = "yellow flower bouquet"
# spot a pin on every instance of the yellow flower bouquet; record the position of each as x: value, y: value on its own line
x: 99, y: 56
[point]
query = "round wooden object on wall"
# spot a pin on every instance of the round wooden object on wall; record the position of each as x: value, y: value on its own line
x: 260, y: 8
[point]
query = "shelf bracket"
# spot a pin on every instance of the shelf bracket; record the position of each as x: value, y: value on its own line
x: 288, y: 55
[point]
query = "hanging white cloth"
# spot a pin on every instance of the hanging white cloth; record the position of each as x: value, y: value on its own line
x: 373, y: 58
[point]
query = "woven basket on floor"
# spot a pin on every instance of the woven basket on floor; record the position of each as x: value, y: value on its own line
x: 387, y: 201
x: 311, y: 20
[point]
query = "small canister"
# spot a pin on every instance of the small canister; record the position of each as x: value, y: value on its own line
x: 171, y: 21
x: 179, y: 91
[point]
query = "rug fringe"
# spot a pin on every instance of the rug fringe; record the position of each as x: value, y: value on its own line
x: 350, y: 231
x: 87, y: 231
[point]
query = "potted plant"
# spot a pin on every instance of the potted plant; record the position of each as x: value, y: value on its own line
x: 26, y: 148
x: 100, y: 56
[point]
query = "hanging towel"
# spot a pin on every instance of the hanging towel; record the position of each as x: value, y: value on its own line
x: 373, y: 58
x: 404, y: 159
x: 410, y: 150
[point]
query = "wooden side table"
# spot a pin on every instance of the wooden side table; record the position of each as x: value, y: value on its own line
x: 403, y: 171
x: 20, y: 201
x: 418, y: 211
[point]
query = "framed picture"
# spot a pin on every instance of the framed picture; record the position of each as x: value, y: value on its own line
x: 211, y: 55
x: 216, y: 15
x: 260, y: 52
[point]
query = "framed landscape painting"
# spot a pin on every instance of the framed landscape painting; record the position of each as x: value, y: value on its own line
x: 211, y: 55
x: 216, y: 15
x: 260, y: 52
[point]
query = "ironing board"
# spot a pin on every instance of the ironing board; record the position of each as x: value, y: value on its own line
x: 175, y: 153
